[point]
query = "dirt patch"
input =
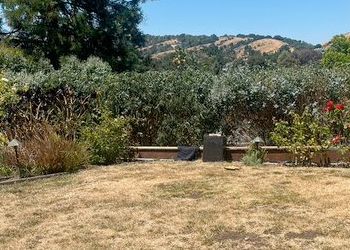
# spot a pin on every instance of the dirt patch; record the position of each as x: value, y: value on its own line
x: 285, y: 183
x: 239, y: 238
x: 306, y: 235
x: 187, y: 189
x: 232, y: 235
x: 272, y: 231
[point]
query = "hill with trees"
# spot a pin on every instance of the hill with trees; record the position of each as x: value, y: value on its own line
x: 254, y: 49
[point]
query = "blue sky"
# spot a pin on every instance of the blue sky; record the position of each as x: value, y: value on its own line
x: 314, y: 21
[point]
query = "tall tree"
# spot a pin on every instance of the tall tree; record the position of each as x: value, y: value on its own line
x: 338, y: 53
x: 103, y: 28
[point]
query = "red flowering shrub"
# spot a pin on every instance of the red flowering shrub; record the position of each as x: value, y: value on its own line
x: 329, y: 106
x: 312, y: 133
x: 338, y: 120
x: 340, y: 107
x: 336, y: 140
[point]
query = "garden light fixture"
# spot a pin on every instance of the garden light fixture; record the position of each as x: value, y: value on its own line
x: 258, y: 140
x: 15, y: 144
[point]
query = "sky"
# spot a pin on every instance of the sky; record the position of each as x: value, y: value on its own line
x: 313, y: 21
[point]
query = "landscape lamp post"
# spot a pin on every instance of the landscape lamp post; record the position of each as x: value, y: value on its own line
x: 15, y: 145
x: 257, y: 142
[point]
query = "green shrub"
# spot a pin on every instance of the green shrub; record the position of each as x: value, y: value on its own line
x: 256, y: 97
x: 15, y: 60
x: 68, y: 99
x: 8, y: 96
x: 305, y: 136
x: 6, y: 171
x: 109, y: 141
x: 167, y: 108
x: 255, y: 156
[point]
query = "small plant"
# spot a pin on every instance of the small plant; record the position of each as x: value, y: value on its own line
x: 108, y: 142
x: 6, y: 171
x: 304, y: 137
x: 255, y: 155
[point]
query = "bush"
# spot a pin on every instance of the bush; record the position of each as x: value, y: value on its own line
x: 169, y: 107
x: 338, y: 120
x: 255, y: 156
x: 68, y: 99
x: 6, y: 171
x: 109, y: 141
x: 256, y: 97
x: 305, y: 136
x: 8, y: 96
x: 166, y: 108
x: 45, y: 152
x: 15, y: 60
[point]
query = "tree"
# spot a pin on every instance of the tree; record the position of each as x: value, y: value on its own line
x: 286, y: 58
x: 55, y: 28
x: 255, y: 58
x: 338, y: 54
x: 306, y: 56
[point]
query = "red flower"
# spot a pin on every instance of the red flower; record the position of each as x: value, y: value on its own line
x: 340, y: 107
x: 329, y: 107
x: 336, y: 140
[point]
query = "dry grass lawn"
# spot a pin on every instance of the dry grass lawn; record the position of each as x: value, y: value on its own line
x: 165, y: 205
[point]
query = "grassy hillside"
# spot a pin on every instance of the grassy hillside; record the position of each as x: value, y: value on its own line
x: 268, y: 44
x: 162, y: 50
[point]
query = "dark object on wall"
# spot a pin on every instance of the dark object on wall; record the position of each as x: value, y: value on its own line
x: 187, y: 153
x: 214, y: 148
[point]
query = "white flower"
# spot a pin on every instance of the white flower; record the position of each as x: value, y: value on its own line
x: 5, y: 79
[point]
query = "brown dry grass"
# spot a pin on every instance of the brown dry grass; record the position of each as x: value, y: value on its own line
x: 180, y: 205
x: 222, y: 42
x: 267, y: 45
x: 172, y: 42
x: 160, y: 55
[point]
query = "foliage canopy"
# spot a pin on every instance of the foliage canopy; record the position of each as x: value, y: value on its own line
x: 338, y: 54
x: 54, y: 28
